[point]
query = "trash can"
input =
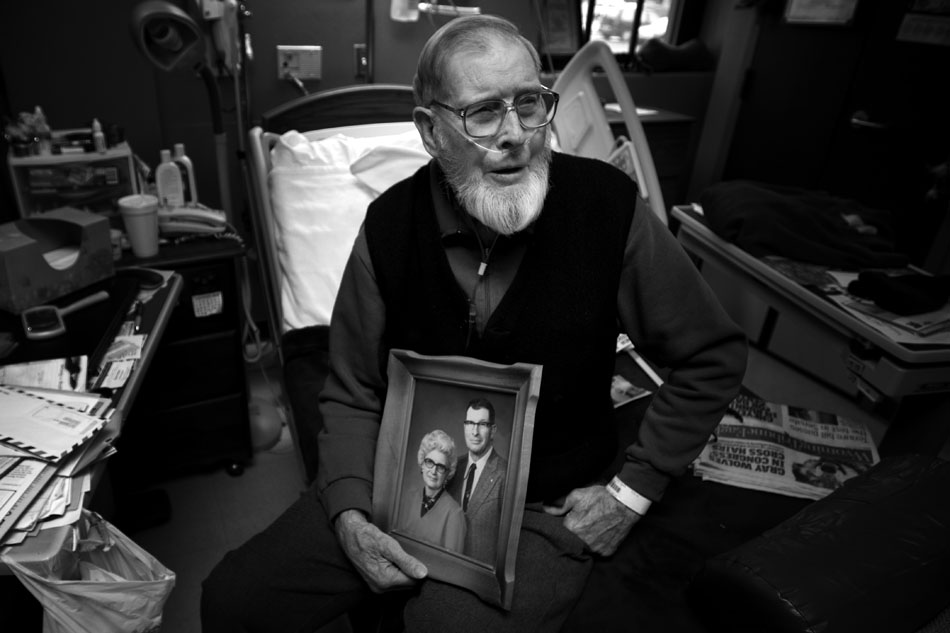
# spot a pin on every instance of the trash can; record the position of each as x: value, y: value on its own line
x: 100, y: 580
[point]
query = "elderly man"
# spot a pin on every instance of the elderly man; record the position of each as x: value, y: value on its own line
x: 505, y: 251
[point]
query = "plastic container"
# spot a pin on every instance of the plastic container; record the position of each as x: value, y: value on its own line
x: 44, y: 134
x: 404, y: 11
x: 169, y: 183
x: 98, y: 137
x: 188, y: 172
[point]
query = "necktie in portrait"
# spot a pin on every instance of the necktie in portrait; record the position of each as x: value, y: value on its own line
x: 469, y: 478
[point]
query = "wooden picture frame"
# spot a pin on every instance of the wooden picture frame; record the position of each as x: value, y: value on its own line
x: 833, y: 12
x: 426, y: 393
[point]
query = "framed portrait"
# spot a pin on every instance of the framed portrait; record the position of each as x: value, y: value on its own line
x: 451, y: 467
x: 838, y: 12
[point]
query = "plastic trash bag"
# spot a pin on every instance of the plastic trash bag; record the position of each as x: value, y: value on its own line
x: 100, y: 581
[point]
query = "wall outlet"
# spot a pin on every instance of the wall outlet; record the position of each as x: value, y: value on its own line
x: 361, y: 60
x: 302, y: 62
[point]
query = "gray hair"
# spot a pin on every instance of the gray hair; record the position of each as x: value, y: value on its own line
x: 439, y: 441
x: 467, y: 33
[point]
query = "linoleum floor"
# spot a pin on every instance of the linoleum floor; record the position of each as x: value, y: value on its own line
x: 213, y: 512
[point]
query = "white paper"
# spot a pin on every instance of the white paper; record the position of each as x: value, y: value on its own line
x: 53, y: 501
x: 623, y: 391
x: 60, y: 373
x: 125, y: 348
x: 116, y: 374
x: 44, y: 428
x: 90, y: 403
x: 15, y: 483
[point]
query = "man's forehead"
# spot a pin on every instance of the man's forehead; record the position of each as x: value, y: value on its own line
x: 476, y: 414
x: 507, y: 67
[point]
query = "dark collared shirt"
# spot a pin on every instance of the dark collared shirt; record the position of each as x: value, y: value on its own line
x: 468, y: 244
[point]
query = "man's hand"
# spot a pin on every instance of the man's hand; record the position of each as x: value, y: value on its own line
x: 379, y: 559
x: 596, y: 518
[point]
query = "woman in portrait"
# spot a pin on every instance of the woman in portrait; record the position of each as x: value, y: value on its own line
x: 427, y: 511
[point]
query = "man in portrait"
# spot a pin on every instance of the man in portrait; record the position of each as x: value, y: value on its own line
x: 481, y: 488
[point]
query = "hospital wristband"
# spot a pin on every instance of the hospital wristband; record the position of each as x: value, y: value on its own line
x: 628, y: 496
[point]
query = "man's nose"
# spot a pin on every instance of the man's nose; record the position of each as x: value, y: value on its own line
x: 511, y: 133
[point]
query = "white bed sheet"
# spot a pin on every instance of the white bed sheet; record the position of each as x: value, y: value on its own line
x: 320, y: 189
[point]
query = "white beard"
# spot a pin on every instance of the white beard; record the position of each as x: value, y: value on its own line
x: 505, y: 209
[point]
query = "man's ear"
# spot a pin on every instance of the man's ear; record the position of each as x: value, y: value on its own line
x: 422, y: 117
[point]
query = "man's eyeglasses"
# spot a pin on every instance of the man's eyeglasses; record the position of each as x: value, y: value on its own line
x: 439, y: 468
x: 479, y: 425
x: 485, y: 118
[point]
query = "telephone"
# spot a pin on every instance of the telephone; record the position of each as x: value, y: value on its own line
x: 190, y: 220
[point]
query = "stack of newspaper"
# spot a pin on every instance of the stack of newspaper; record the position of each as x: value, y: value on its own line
x: 783, y: 449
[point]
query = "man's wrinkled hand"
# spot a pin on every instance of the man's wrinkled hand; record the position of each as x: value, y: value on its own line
x: 597, y: 518
x: 379, y: 559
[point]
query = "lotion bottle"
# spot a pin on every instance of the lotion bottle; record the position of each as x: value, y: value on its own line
x: 188, y: 173
x: 44, y: 134
x: 168, y: 182
x: 98, y: 137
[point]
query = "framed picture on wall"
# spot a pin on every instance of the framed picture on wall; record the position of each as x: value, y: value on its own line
x: 560, y: 33
x: 451, y: 467
x: 820, y: 11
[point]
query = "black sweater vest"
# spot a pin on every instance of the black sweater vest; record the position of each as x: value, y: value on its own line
x: 560, y: 311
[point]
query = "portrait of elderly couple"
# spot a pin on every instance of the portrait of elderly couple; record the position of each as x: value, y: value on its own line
x: 454, y: 489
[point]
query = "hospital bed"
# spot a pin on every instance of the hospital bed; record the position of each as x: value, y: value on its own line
x: 811, y: 332
x: 308, y: 206
x: 318, y: 161
x: 906, y: 384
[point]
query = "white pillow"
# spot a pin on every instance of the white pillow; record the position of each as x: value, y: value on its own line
x: 320, y: 190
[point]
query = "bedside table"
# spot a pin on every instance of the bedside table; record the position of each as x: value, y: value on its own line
x: 192, y: 411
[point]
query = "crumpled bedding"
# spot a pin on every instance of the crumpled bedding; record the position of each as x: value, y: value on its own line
x: 808, y: 226
x: 320, y: 190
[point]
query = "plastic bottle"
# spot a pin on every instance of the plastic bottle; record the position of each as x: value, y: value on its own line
x: 404, y: 11
x: 188, y: 174
x: 169, y: 183
x: 44, y: 135
x: 98, y: 137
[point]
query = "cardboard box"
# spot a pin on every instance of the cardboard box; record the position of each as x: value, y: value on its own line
x: 51, y: 255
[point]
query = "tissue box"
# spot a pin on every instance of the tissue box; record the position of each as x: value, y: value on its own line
x: 50, y: 255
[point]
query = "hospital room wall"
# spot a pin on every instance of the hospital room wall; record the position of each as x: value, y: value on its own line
x: 80, y: 62
x: 398, y: 44
x: 337, y: 25
x: 77, y: 61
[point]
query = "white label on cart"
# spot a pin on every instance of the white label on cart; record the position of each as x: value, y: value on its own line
x: 207, y: 304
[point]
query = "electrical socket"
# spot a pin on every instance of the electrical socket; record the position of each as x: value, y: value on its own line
x: 302, y: 62
x: 362, y: 61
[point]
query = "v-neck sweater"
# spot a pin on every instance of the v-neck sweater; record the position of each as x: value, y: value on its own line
x: 647, y: 284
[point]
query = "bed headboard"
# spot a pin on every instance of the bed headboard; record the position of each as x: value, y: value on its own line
x: 350, y: 105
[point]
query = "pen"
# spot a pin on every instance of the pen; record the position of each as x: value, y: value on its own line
x: 137, y: 316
